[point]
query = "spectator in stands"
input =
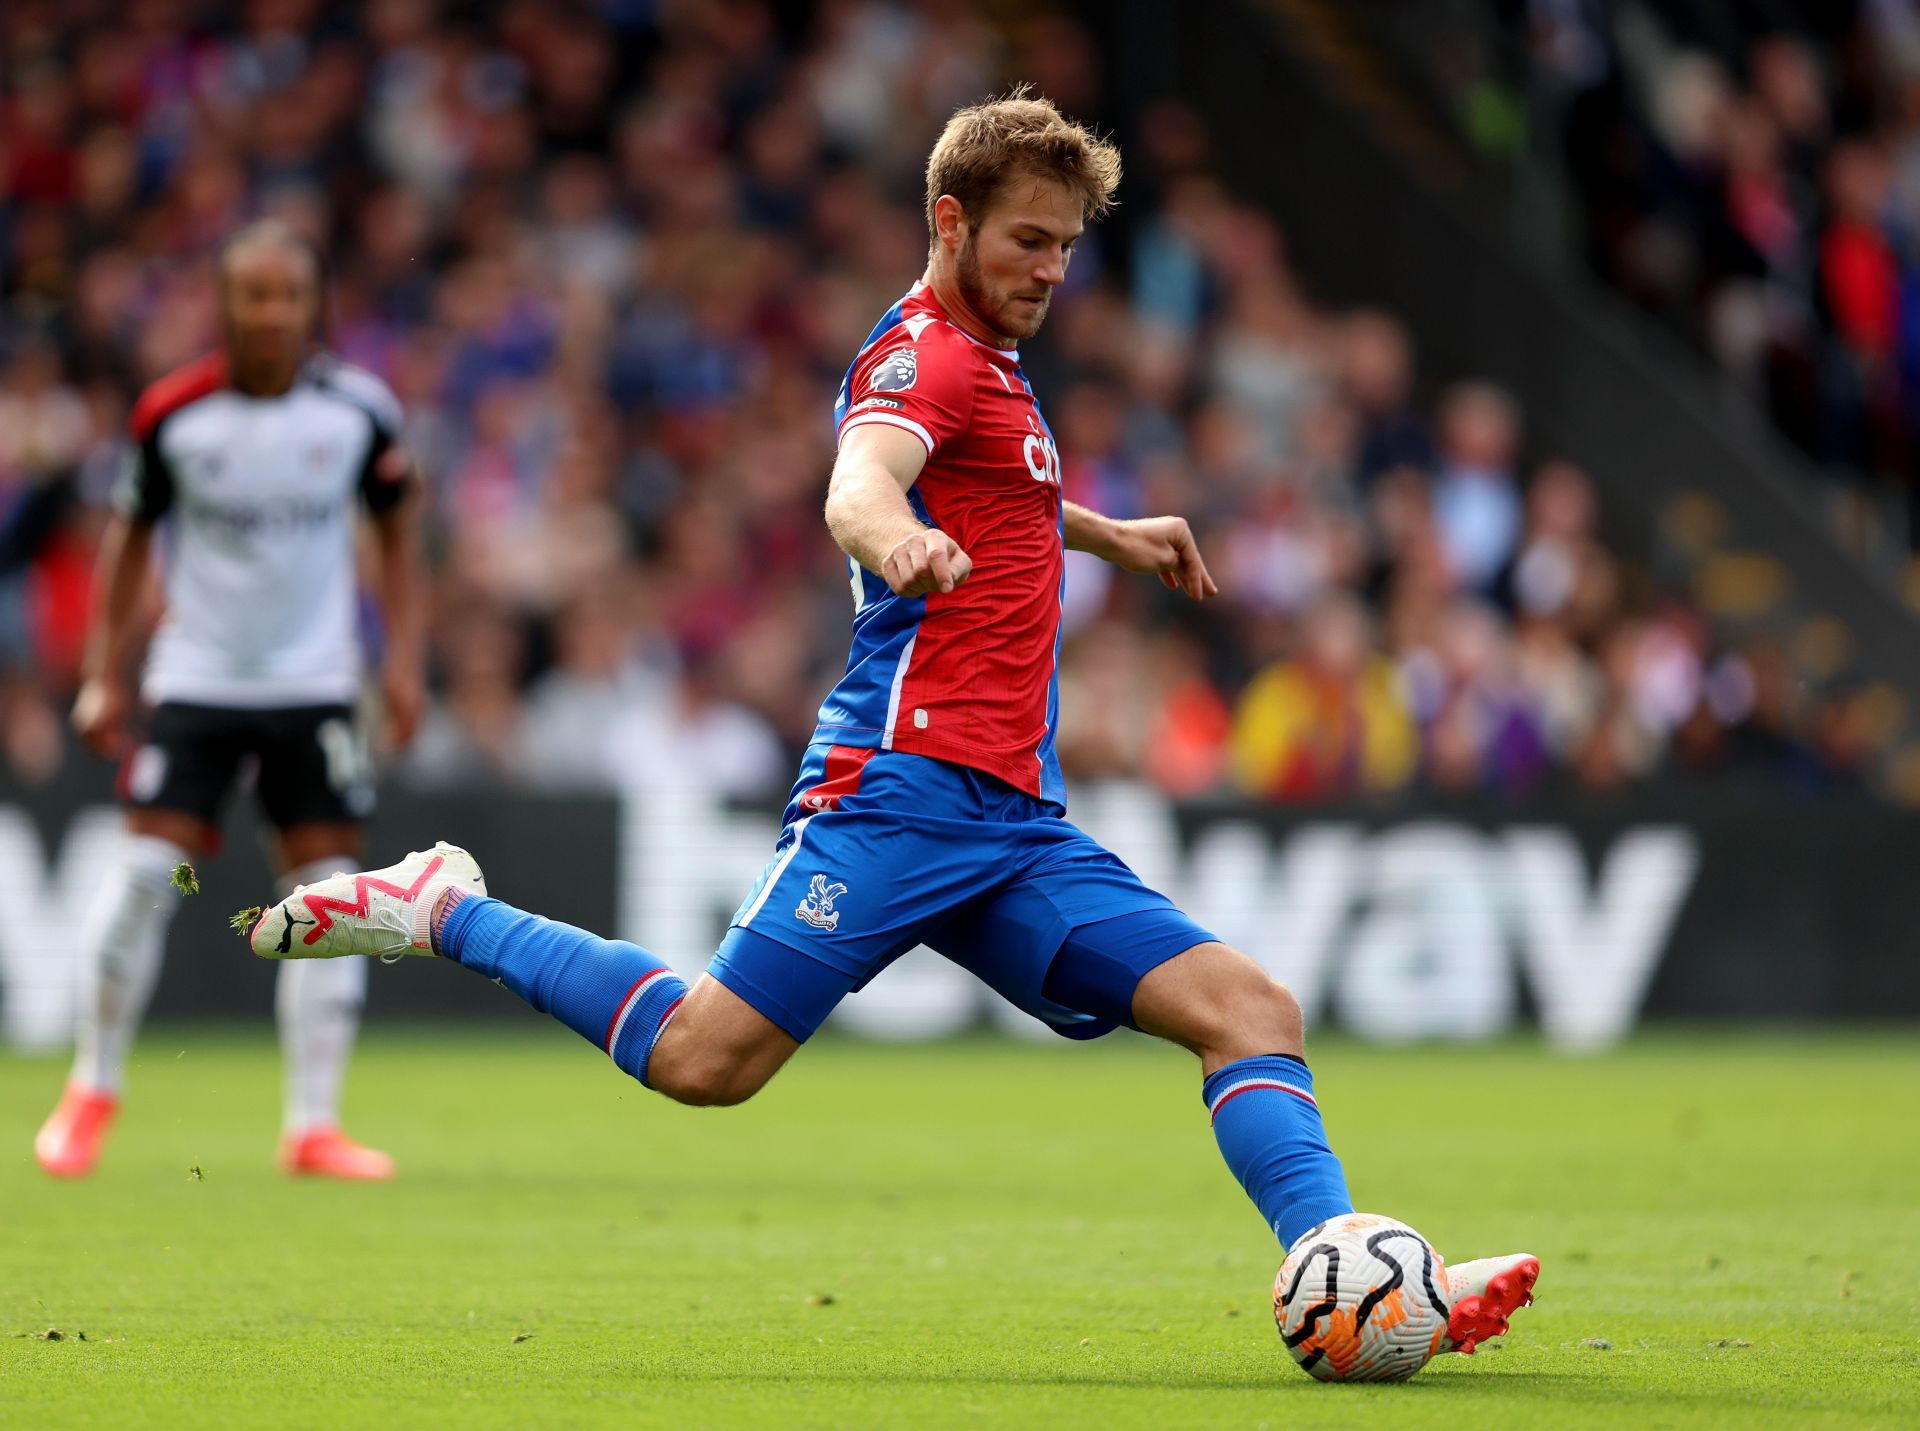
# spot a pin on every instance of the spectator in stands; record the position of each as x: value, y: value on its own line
x: 1188, y: 736
x: 1328, y: 722
x: 1377, y: 370
x: 1106, y: 704
x: 600, y: 672
x: 1476, y: 497
x: 1860, y: 290
x: 1558, y: 545
x: 697, y: 740
x: 474, y: 732
x: 1482, y: 727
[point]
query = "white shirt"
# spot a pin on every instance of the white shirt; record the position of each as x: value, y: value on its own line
x: 259, y: 496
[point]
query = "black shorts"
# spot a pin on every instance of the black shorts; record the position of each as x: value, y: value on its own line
x: 309, y: 763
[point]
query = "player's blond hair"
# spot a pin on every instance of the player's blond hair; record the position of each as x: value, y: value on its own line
x: 987, y: 144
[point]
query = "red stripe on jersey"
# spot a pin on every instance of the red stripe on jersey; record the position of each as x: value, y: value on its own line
x: 175, y: 391
x: 844, y: 764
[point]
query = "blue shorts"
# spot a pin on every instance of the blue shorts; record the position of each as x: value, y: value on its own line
x: 881, y: 851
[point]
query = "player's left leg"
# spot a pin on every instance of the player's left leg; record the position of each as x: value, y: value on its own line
x: 1246, y: 1030
x: 317, y: 1006
x: 315, y: 786
x: 1077, y: 940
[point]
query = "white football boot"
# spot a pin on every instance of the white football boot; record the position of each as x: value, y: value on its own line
x: 386, y: 913
x: 1483, y: 1294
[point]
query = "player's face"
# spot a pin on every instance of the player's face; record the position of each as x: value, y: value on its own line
x: 269, y: 298
x: 1013, y: 258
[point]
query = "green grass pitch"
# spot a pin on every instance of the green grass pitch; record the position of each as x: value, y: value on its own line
x: 976, y: 1233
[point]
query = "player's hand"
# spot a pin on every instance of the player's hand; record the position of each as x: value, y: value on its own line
x: 100, y: 714
x: 404, y: 692
x: 1163, y: 547
x: 925, y: 562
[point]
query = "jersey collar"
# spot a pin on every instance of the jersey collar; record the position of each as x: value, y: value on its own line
x: 922, y: 292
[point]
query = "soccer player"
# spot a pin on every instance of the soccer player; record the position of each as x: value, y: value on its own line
x: 930, y: 807
x: 252, y: 462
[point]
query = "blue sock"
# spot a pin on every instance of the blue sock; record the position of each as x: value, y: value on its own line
x: 611, y: 993
x: 1269, y: 1131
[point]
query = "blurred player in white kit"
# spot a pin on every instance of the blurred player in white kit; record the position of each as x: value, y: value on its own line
x: 268, y: 446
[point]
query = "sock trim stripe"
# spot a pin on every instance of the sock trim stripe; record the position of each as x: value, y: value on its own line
x: 646, y: 1054
x: 1234, y: 1090
x: 626, y: 1007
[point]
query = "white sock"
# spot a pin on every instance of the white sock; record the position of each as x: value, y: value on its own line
x: 318, y: 1003
x: 124, y: 944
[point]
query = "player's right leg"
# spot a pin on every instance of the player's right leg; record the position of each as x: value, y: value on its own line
x: 703, y: 1046
x: 174, y: 785
x: 120, y: 961
x: 707, y: 1045
x: 859, y: 872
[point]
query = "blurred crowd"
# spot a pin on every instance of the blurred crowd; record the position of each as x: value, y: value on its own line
x: 1754, y: 177
x: 614, y: 259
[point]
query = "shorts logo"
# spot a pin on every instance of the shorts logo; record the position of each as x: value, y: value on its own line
x: 145, y: 773
x: 817, y: 908
x: 897, y: 373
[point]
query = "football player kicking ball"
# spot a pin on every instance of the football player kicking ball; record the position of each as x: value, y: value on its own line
x: 929, y: 808
x: 256, y: 458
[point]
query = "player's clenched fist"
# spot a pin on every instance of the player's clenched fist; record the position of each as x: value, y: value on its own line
x: 926, y: 561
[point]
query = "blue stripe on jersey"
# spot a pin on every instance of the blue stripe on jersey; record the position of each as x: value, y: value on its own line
x: 884, y: 623
x: 1053, y: 785
x: 881, y: 630
x: 888, y: 322
x: 882, y: 627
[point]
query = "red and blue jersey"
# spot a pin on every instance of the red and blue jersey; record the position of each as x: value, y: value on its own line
x: 969, y: 676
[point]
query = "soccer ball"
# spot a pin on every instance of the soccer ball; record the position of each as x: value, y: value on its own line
x: 1361, y: 1298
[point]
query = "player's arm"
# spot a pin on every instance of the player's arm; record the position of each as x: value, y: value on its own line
x: 397, y: 560
x: 869, y: 516
x: 141, y: 498
x: 1159, y: 546
x: 119, y: 583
